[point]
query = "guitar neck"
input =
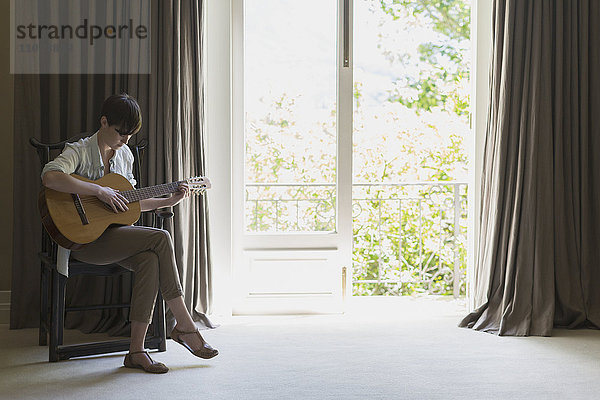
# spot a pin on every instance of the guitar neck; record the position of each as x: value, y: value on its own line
x: 151, y: 191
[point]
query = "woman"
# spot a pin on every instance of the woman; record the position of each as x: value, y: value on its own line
x: 146, y: 251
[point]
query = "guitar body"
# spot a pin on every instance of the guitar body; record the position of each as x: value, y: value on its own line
x: 72, y: 227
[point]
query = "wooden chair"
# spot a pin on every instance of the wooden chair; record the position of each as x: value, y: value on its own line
x: 53, y: 284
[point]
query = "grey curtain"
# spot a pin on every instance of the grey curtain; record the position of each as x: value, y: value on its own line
x: 55, y: 107
x: 538, y: 262
x: 176, y: 124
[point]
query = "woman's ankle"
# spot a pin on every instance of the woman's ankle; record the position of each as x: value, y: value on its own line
x: 185, y: 327
x: 136, y: 350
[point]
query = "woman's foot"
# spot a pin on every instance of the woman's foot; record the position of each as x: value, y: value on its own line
x: 193, y: 341
x: 142, y: 360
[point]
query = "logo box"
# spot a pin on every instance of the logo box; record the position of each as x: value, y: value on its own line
x: 80, y: 37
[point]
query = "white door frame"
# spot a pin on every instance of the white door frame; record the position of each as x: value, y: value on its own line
x: 221, y: 23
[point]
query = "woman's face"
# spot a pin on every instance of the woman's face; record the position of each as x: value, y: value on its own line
x: 115, y: 136
x: 118, y: 138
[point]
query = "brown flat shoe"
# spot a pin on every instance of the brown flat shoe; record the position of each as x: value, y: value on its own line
x: 154, y: 368
x: 206, y: 351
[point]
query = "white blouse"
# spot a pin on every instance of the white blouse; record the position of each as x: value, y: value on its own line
x: 83, y: 158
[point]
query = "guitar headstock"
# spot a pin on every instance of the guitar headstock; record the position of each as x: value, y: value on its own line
x: 198, y: 184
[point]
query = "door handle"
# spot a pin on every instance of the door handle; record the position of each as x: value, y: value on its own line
x: 344, y: 271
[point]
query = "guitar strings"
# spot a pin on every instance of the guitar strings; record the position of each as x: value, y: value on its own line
x: 94, y: 199
x: 143, y: 193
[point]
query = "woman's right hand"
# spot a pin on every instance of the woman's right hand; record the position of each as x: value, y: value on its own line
x: 112, y: 198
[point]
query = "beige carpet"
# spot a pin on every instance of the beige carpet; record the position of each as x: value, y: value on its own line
x: 381, y: 349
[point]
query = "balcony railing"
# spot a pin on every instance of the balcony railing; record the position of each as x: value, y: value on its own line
x: 408, y: 237
x: 290, y: 207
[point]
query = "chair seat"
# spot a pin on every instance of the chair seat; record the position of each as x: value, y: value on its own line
x: 82, y: 268
x: 78, y: 268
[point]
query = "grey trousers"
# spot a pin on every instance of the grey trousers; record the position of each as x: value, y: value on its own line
x: 148, y: 252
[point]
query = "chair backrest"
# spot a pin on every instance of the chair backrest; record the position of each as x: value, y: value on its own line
x: 47, y: 152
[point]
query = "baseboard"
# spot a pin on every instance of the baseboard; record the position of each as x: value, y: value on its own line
x: 4, y: 306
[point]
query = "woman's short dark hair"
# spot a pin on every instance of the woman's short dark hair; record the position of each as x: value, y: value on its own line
x: 123, y: 111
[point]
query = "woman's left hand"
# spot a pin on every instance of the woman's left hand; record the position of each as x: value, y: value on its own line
x: 182, y: 192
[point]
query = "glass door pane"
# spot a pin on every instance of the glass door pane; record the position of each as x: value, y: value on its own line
x: 290, y: 116
x: 411, y: 129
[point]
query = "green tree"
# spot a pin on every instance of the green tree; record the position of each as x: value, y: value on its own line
x: 416, y: 240
x: 444, y: 60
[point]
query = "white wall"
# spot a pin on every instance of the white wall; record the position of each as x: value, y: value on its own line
x: 481, y: 32
x: 218, y: 124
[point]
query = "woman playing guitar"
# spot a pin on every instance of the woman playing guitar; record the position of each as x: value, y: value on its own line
x: 146, y: 251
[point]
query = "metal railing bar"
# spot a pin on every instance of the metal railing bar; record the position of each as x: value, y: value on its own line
x: 457, y: 212
x: 418, y: 183
x: 283, y: 184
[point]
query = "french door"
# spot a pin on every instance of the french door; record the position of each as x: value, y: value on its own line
x: 292, y: 155
x: 350, y: 173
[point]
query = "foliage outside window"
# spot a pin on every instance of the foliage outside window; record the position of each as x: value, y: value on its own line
x: 411, y: 129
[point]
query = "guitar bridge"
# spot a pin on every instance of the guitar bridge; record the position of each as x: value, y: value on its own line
x: 79, y: 207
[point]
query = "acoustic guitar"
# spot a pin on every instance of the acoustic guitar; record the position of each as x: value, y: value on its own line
x: 72, y: 220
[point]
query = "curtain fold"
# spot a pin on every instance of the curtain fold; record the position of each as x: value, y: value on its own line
x: 176, y: 107
x: 538, y: 257
x: 56, y: 107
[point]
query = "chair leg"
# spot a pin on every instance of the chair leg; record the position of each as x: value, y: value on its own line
x: 62, y: 286
x: 54, y: 318
x: 43, y: 332
x: 57, y: 319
